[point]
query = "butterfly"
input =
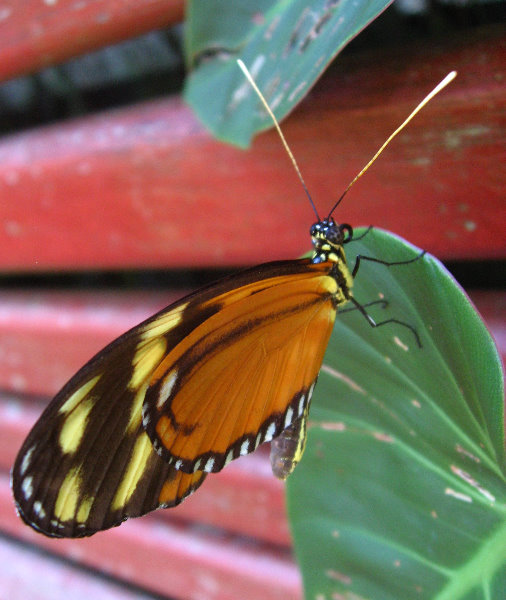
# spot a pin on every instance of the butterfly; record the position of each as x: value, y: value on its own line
x: 204, y: 381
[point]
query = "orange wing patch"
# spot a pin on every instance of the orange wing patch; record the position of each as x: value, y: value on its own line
x: 244, y: 374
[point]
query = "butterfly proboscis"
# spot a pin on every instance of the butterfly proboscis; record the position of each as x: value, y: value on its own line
x: 202, y: 382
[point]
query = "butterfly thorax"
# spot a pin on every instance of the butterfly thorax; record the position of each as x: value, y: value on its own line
x: 328, y: 238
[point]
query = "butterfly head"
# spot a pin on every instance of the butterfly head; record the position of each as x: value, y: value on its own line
x: 328, y: 238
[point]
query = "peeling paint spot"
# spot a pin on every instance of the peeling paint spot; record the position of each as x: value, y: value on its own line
x: 470, y: 225
x: 5, y: 13
x: 454, y: 139
x: 332, y: 574
x: 18, y: 382
x: 12, y: 228
x: 11, y: 177
x: 433, y: 514
x: 401, y: 344
x: 422, y: 161
x: 83, y: 168
x: 341, y: 376
x: 102, y: 18
x: 51, y: 2
x: 397, y: 563
x: 119, y: 131
x: 458, y: 495
x: 335, y: 533
x: 416, y: 404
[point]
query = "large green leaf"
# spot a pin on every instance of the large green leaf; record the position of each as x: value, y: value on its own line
x: 286, y: 44
x: 401, y: 492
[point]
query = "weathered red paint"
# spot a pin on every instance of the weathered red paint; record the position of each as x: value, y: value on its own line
x: 35, y: 33
x: 148, y: 187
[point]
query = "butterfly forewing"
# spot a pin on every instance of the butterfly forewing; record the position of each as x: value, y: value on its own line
x: 244, y: 374
x: 202, y: 382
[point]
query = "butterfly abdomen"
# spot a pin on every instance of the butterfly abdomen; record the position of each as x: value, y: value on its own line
x: 287, y: 449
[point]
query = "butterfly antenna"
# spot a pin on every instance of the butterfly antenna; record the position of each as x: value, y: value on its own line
x: 429, y: 97
x: 276, y: 124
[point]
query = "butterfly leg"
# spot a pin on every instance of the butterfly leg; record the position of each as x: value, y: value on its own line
x: 384, y: 304
x: 361, y: 307
x: 360, y: 257
x: 360, y: 237
x: 374, y: 323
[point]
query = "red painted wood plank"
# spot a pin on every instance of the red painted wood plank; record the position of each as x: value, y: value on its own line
x: 74, y: 325
x: 77, y: 325
x: 148, y: 187
x: 179, y: 561
x: 26, y: 573
x: 245, y: 498
x: 36, y: 34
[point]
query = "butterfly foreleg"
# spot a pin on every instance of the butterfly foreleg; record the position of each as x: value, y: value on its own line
x: 383, y: 303
x: 361, y: 257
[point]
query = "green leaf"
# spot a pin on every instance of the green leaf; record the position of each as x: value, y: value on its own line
x: 286, y: 44
x: 401, y: 491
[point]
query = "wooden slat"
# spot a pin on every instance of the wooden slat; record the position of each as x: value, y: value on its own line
x: 74, y: 325
x: 22, y: 569
x: 178, y: 561
x: 36, y: 34
x: 147, y: 186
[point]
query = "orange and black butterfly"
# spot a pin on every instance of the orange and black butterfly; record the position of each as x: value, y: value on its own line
x: 202, y: 382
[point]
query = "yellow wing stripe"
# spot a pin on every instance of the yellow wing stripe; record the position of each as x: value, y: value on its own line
x: 83, y: 391
x: 68, y: 495
x: 141, y: 452
x: 74, y: 426
x: 147, y: 356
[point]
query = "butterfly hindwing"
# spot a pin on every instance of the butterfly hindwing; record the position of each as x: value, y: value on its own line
x: 245, y: 373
